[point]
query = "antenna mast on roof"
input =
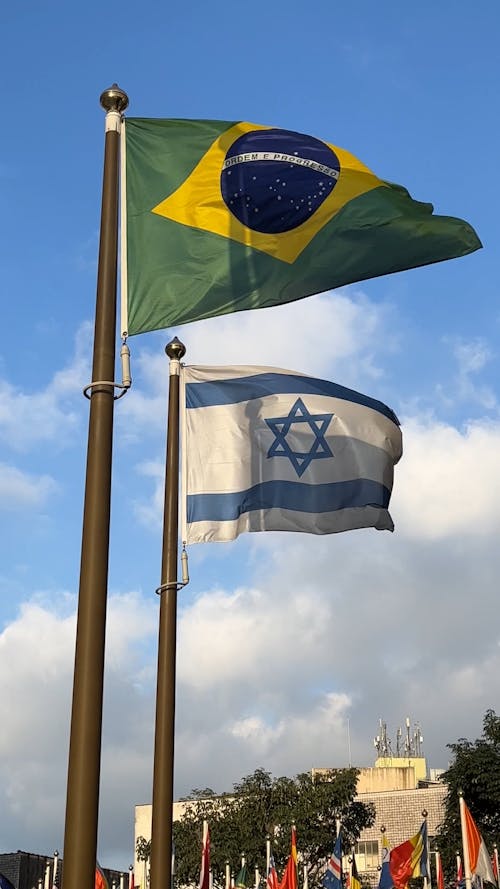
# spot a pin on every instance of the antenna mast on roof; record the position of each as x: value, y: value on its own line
x: 408, y: 746
x: 382, y: 741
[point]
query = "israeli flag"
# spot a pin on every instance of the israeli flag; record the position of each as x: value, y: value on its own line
x: 265, y: 449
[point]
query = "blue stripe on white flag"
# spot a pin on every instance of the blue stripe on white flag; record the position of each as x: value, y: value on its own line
x: 287, y: 495
x: 245, y: 450
x: 249, y: 388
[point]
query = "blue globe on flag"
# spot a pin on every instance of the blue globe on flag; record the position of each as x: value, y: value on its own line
x: 274, y: 180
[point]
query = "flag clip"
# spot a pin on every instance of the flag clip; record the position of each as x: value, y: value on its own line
x: 177, y: 585
x: 174, y: 585
x: 126, y: 377
x: 106, y: 383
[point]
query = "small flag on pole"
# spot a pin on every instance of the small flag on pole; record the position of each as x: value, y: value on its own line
x: 241, y: 881
x: 439, y: 872
x: 100, y: 878
x: 272, y: 881
x: 55, y: 870
x: 333, y: 874
x: 289, y: 879
x: 385, y: 881
x: 409, y: 859
x: 479, y: 859
x: 355, y: 881
x: 494, y: 864
x: 205, y: 858
x: 266, y: 449
x: 222, y: 216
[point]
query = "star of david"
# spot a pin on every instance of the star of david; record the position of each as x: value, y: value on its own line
x: 318, y: 424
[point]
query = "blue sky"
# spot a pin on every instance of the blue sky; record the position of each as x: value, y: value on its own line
x: 281, y: 641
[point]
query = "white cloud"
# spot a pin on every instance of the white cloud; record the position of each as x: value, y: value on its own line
x: 150, y: 512
x: 314, y: 631
x: 447, y: 482
x: 472, y: 357
x: 304, y: 737
x: 320, y: 336
x: 226, y: 638
x: 268, y: 674
x: 49, y: 414
x: 36, y: 666
x: 20, y: 490
x: 338, y: 335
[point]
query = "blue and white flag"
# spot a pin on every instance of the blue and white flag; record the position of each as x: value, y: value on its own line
x: 333, y: 874
x: 266, y: 449
x: 385, y: 881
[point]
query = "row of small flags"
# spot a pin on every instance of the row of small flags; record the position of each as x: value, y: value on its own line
x: 400, y: 864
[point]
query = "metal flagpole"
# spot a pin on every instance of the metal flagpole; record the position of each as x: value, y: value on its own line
x: 163, y: 775
x: 428, y: 878
x: 82, y: 799
x: 54, y: 868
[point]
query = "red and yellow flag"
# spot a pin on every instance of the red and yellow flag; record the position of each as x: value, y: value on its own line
x: 289, y: 879
x: 409, y: 859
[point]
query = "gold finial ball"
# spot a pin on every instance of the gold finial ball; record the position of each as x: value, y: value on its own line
x: 114, y: 99
x: 175, y: 349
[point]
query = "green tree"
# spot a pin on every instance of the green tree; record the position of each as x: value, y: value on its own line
x: 475, y: 771
x: 143, y: 849
x: 261, y: 806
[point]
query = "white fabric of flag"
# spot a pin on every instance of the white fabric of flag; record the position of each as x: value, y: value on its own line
x: 266, y: 449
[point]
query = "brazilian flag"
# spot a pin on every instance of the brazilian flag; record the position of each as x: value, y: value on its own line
x: 222, y: 216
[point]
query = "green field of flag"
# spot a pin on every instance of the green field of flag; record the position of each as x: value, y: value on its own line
x: 224, y: 216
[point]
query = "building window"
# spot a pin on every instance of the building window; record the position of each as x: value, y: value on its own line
x: 367, y: 855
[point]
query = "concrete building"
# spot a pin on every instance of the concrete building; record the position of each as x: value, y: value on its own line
x: 401, y: 790
x: 399, y: 799
x: 400, y: 787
